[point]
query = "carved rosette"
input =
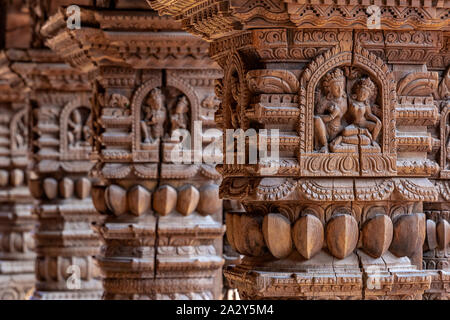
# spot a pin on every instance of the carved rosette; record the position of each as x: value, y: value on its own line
x: 163, y: 220
x: 16, y: 219
x: 66, y: 243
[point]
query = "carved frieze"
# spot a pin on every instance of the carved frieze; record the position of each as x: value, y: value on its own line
x: 213, y: 19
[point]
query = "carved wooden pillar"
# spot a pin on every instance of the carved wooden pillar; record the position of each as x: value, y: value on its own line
x: 163, y: 228
x: 16, y: 220
x: 58, y: 177
x: 339, y: 214
x: 436, y: 255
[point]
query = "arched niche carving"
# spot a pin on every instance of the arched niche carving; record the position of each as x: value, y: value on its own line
x: 367, y: 159
x: 157, y: 110
x: 75, y: 129
x: 314, y: 210
x: 192, y: 98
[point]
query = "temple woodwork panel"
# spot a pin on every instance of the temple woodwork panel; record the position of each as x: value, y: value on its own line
x: 344, y: 106
x: 340, y: 215
x: 174, y: 206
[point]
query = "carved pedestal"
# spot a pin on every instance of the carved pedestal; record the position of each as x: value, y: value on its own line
x: 60, y: 132
x: 163, y: 220
x: 16, y: 220
x: 336, y: 210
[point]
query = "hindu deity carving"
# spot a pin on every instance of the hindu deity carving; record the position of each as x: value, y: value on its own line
x: 79, y: 131
x: 179, y: 116
x: 164, y: 111
x: 330, y: 111
x: 346, y: 122
x: 154, y: 117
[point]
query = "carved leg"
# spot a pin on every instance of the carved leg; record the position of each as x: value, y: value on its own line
x: 146, y: 132
x: 320, y: 134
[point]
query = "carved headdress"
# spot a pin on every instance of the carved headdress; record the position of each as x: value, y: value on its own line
x: 336, y: 75
x: 155, y: 99
x: 366, y: 83
x: 182, y: 105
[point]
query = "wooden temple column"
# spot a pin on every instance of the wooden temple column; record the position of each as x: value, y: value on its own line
x: 339, y: 214
x: 436, y: 256
x: 17, y: 223
x: 66, y: 243
x: 17, y: 257
x: 163, y: 220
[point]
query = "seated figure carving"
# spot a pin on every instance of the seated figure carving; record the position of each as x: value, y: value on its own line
x: 363, y: 126
x: 330, y: 110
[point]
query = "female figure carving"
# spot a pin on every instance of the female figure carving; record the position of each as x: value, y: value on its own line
x: 152, y: 125
x: 330, y: 111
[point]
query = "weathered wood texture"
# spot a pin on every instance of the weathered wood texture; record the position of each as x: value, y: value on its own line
x: 163, y: 220
x: 17, y: 257
x: 60, y: 113
x: 363, y: 133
